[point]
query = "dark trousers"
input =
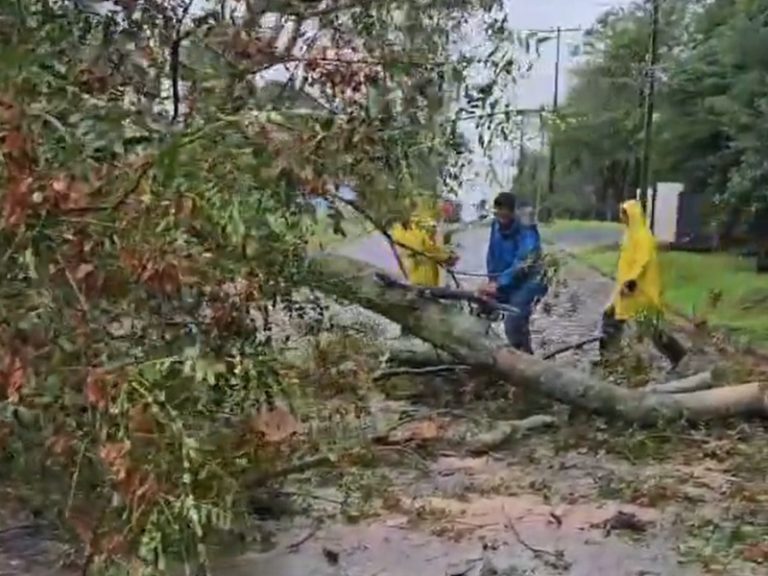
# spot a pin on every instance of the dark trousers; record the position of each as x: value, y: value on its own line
x: 517, y: 329
x: 517, y: 324
x: 665, y: 342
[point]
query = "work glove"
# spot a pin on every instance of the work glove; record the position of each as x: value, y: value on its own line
x: 629, y: 287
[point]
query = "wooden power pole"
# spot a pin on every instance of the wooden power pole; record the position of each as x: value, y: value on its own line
x: 649, y: 104
x: 555, y: 103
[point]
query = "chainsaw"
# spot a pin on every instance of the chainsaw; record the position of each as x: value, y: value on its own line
x: 486, y: 309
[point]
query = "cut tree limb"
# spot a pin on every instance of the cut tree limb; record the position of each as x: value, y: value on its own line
x: 694, y: 383
x: 415, y: 353
x: 464, y: 338
x: 505, y: 431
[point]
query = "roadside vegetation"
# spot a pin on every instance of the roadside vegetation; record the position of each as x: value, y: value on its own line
x: 721, y: 291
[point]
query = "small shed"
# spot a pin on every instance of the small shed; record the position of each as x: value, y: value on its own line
x: 679, y: 218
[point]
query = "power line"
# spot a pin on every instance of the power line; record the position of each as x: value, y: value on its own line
x: 553, y: 30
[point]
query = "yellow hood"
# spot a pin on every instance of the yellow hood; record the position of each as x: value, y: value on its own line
x: 635, y: 215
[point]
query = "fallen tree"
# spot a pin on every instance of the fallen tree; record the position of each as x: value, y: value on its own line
x: 465, y: 339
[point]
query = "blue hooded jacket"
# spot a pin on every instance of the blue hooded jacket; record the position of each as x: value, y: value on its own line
x: 514, y: 263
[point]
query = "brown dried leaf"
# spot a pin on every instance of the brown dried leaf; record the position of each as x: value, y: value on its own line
x: 6, y: 431
x: 115, y: 457
x: 96, y: 389
x: 112, y: 545
x: 139, y: 488
x: 67, y: 193
x: 274, y: 425
x: 83, y: 270
x: 757, y: 553
x: 83, y: 525
x: 141, y: 421
x: 60, y: 445
x: 10, y: 113
x: 18, y: 195
x: 14, y: 375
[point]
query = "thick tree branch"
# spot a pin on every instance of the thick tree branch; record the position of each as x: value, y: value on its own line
x: 701, y: 381
x: 465, y: 339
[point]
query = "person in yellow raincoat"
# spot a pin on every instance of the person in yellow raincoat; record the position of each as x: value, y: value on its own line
x: 638, y: 291
x: 421, y: 249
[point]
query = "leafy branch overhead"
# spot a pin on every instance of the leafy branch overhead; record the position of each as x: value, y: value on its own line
x: 160, y: 165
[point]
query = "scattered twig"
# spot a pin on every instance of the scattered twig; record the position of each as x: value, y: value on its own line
x: 90, y: 556
x: 556, y: 558
x: 311, y: 533
x: 319, y: 497
x: 73, y: 284
x: 145, y: 168
x: 302, y: 466
x: 474, y: 524
x: 394, y: 372
x: 75, y: 478
x: 416, y: 417
x: 575, y: 346
x: 470, y: 564
x: 27, y: 526
x: 295, y: 468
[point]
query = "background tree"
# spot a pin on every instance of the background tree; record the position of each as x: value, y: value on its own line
x: 598, y: 130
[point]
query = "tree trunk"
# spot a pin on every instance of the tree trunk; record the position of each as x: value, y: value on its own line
x: 464, y: 338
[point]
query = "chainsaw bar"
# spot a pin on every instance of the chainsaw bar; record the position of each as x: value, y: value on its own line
x: 486, y: 308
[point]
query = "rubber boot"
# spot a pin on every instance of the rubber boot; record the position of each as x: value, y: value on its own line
x: 672, y: 349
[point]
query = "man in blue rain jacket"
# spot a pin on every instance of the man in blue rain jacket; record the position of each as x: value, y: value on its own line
x: 516, y: 274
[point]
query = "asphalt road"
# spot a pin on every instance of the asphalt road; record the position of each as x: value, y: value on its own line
x: 471, y: 245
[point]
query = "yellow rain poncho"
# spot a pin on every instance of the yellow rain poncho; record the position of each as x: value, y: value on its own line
x: 638, y: 264
x: 427, y: 252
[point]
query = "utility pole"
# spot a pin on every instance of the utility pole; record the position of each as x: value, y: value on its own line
x: 537, y: 207
x: 555, y: 102
x: 649, y: 104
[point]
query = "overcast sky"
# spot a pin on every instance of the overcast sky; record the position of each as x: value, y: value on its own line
x: 536, y: 88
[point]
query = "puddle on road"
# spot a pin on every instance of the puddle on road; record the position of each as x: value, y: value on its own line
x: 444, y: 522
x: 394, y: 546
